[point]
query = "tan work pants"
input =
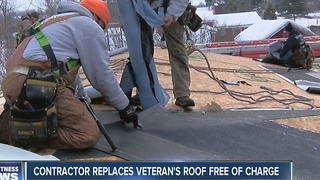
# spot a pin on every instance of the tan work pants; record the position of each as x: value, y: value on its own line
x: 178, y: 59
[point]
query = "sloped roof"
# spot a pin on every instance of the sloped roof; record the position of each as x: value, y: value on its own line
x: 206, y: 13
x: 265, y: 29
x: 236, y: 19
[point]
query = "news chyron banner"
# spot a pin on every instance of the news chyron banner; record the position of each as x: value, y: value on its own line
x: 145, y: 170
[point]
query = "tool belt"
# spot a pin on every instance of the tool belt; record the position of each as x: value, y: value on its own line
x: 191, y: 19
x: 304, y: 56
x: 33, y: 116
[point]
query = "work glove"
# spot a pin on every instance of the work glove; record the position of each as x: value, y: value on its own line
x: 129, y: 115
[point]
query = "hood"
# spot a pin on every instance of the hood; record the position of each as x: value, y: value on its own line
x: 69, y: 7
x: 293, y: 32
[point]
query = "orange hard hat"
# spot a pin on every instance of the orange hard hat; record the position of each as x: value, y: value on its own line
x: 99, y: 8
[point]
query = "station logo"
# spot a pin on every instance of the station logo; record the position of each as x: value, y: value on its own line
x: 11, y: 171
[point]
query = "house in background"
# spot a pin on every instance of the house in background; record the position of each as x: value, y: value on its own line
x: 230, y: 25
x: 315, y: 29
x: 270, y: 29
x: 206, y: 14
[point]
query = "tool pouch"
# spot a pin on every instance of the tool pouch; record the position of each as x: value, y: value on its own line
x: 40, y: 86
x: 191, y: 19
x: 304, y: 57
x: 33, y: 125
x: 33, y: 117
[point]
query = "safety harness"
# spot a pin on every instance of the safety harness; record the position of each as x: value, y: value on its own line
x: 44, y: 43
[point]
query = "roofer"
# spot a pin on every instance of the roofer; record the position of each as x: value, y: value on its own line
x: 25, y: 25
x: 38, y: 92
x: 23, y: 28
x: 34, y: 16
x: 296, y: 52
x: 173, y: 32
x: 293, y: 53
x: 178, y: 14
x: 173, y: 36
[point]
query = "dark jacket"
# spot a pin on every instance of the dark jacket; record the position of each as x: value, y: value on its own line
x: 294, y: 41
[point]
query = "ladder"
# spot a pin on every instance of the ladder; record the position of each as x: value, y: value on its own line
x: 253, y: 49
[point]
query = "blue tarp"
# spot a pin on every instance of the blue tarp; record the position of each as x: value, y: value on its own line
x: 134, y: 15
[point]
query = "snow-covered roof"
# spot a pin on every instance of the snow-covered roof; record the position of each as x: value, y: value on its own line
x: 236, y: 19
x: 205, y: 13
x: 265, y: 29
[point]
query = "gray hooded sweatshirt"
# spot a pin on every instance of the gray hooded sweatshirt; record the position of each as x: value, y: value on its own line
x: 177, y: 7
x: 81, y: 38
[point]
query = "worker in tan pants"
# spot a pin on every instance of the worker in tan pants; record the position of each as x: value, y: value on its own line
x: 79, y: 37
x: 77, y: 128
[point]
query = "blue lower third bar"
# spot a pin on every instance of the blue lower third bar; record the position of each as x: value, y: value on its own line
x: 159, y: 170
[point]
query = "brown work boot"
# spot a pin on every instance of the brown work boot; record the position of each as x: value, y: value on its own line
x: 184, y: 101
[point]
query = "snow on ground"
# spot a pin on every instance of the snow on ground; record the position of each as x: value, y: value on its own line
x: 308, y: 22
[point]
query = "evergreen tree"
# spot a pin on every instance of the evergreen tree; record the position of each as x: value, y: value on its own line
x: 269, y: 12
x: 292, y: 8
x: 208, y: 2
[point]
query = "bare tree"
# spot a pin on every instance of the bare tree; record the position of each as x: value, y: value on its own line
x: 51, y: 6
x: 6, y: 10
x: 7, y: 42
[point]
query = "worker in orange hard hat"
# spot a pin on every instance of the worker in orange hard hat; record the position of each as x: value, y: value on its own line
x: 76, y: 38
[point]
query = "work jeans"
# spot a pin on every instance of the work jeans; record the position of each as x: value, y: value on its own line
x: 178, y: 59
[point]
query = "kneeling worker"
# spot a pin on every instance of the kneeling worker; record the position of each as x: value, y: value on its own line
x: 46, y: 108
x: 293, y: 53
x: 296, y: 52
